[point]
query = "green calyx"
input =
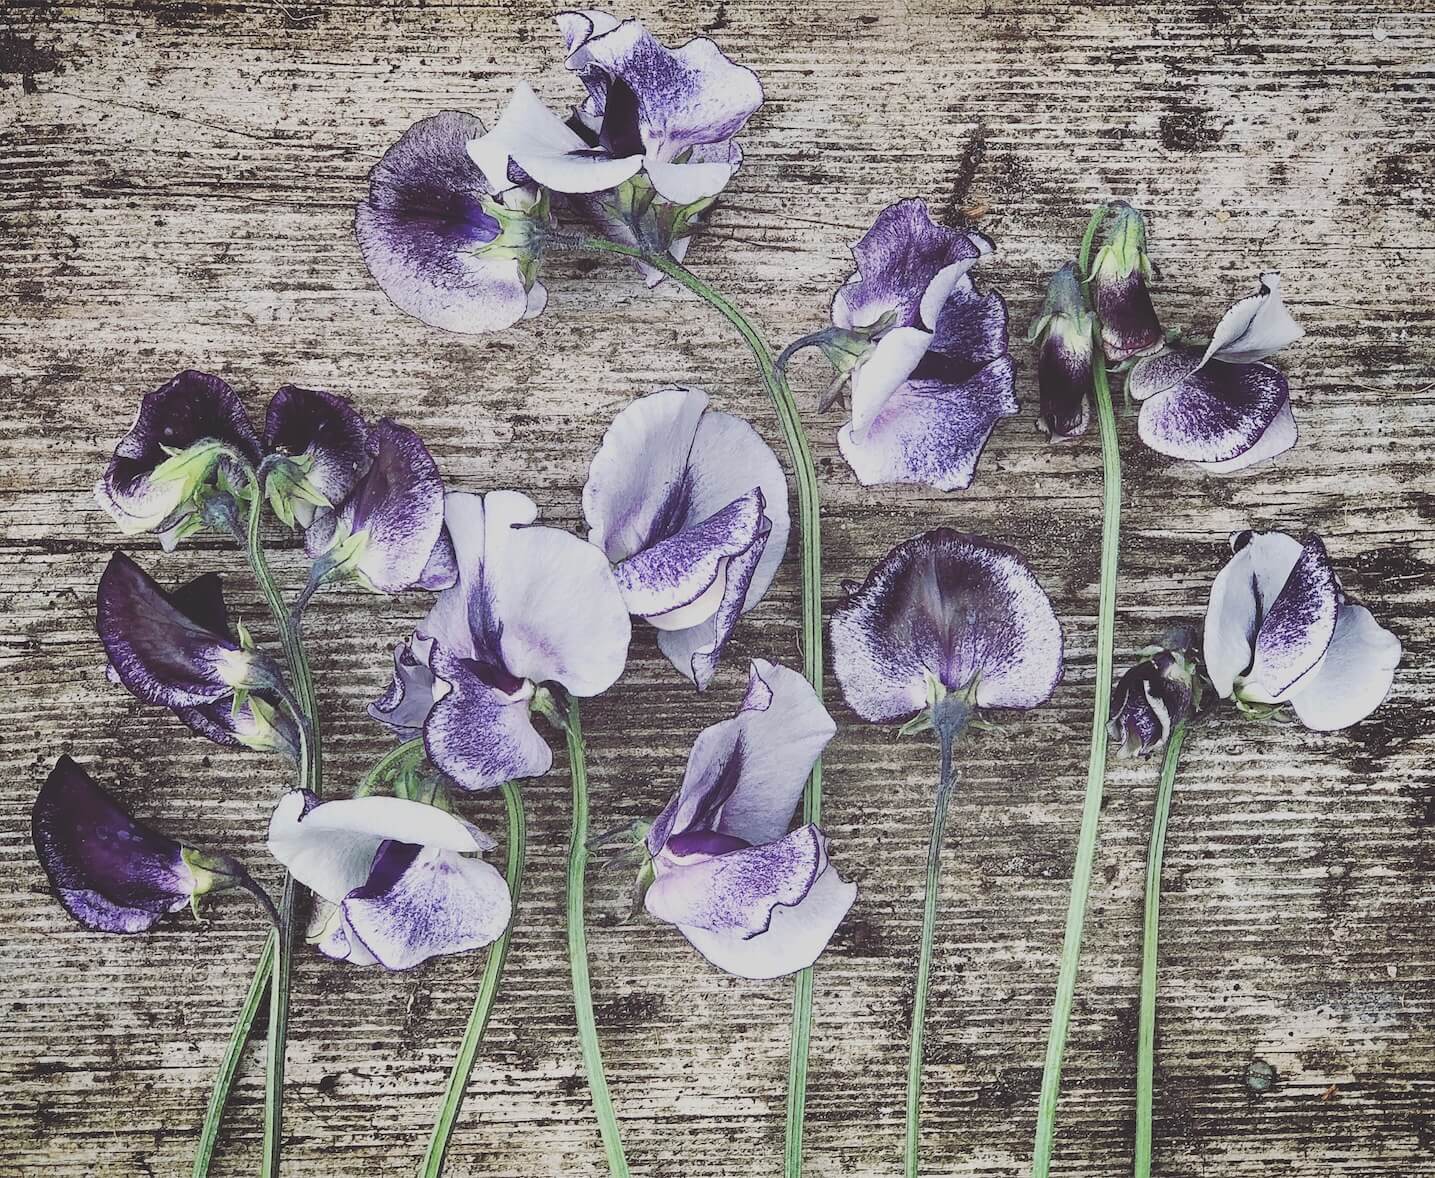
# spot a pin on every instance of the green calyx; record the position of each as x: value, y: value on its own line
x: 212, y: 872
x: 291, y: 495
x: 546, y: 703
x: 340, y: 561
x: 948, y: 713
x: 189, y: 478
x: 522, y: 231
x: 1124, y: 250
x: 654, y: 223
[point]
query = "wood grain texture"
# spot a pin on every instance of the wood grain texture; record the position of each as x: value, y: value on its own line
x: 176, y: 185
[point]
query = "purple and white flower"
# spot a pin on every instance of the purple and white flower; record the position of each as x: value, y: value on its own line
x: 113, y: 874
x: 402, y: 881
x: 690, y: 505
x: 1119, y: 273
x: 187, y: 433
x: 1065, y: 358
x: 1222, y: 406
x: 532, y: 605
x: 944, y: 614
x: 317, y: 448
x: 754, y: 898
x: 924, y: 352
x: 1152, y: 698
x: 444, y: 243
x: 388, y: 534
x: 1279, y: 629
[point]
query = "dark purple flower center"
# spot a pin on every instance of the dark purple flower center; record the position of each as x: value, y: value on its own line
x: 705, y: 842
x: 391, y: 860
x: 494, y: 675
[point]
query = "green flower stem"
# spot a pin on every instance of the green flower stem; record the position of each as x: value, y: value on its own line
x: 487, y: 992
x: 1150, y: 932
x: 578, y: 951
x: 810, y: 528
x: 229, y: 1065
x: 1096, y: 766
x: 924, y: 962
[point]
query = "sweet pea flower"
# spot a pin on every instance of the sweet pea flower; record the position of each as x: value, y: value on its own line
x: 924, y: 352
x: 1152, y: 698
x: 444, y: 243
x: 1064, y: 371
x: 532, y: 605
x: 400, y: 879
x: 388, y: 534
x: 113, y: 874
x: 1221, y: 406
x: 690, y: 505
x: 942, y: 617
x: 753, y: 898
x: 186, y: 434
x: 1279, y: 629
x: 317, y: 448
x: 1119, y: 273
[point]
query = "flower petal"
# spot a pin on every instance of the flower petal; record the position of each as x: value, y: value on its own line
x: 1279, y: 437
x: 963, y: 609
x: 1295, y: 627
x: 1256, y: 327
x: 422, y: 229
x: 324, y: 428
x: 1218, y: 412
x: 412, y: 692
x: 478, y: 733
x: 1158, y: 373
x: 745, y: 775
x: 112, y: 874
x: 1353, y: 678
x: 1129, y: 325
x: 885, y: 369
x: 1240, y: 596
x: 421, y: 902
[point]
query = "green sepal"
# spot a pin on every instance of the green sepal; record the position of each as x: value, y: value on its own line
x: 546, y: 703
x: 212, y: 872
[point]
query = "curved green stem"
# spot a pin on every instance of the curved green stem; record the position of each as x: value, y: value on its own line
x: 229, y: 1065
x: 403, y: 751
x: 1150, y: 932
x: 1096, y: 765
x: 487, y: 991
x: 810, y: 528
x: 578, y: 952
x: 945, y: 785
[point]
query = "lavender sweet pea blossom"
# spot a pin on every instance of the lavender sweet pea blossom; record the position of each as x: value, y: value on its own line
x: 401, y: 879
x: 318, y: 448
x: 1063, y: 335
x: 1221, y: 406
x: 113, y: 874
x: 942, y: 615
x: 1150, y: 699
x: 1119, y: 273
x: 445, y: 244
x: 1279, y: 629
x: 532, y: 605
x: 924, y: 352
x: 690, y: 505
x: 186, y: 432
x: 753, y: 898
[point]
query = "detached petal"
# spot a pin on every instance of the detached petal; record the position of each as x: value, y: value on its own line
x: 1279, y: 437
x: 1219, y: 412
x: 962, y: 609
x: 1240, y: 595
x: 1256, y: 327
x: 1353, y: 678
x: 422, y: 230
x: 480, y: 733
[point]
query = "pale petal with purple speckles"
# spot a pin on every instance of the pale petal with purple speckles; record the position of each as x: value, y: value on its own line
x: 1297, y: 626
x: 480, y: 731
x: 964, y: 610
x: 411, y: 694
x: 1217, y: 413
x: 1241, y: 593
x: 884, y: 370
x: 422, y: 230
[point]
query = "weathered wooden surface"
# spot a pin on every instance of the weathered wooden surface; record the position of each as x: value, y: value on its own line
x: 176, y: 186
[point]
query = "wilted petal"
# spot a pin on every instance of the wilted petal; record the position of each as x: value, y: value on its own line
x: 1118, y: 282
x: 1353, y: 678
x: 963, y: 610
x: 1149, y: 700
x: 411, y: 694
x: 422, y: 902
x: 1256, y: 327
x: 480, y: 732
x: 1219, y: 412
x: 422, y: 231
x: 1065, y: 358
x: 326, y: 433
x: 111, y: 873
x: 258, y: 723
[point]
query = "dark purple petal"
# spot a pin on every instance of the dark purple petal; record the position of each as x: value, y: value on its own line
x: 1118, y: 282
x: 422, y: 229
x: 324, y: 429
x: 480, y: 733
x: 192, y: 407
x: 1065, y: 353
x: 963, y: 610
x: 160, y: 652
x: 1148, y: 701
x: 112, y: 874
x: 1217, y: 413
x: 906, y: 265
x: 266, y: 727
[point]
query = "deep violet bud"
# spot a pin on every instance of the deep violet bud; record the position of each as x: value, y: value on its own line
x: 1222, y: 407
x: 316, y: 445
x: 438, y: 239
x: 1065, y: 351
x: 113, y: 874
x: 388, y: 535
x: 946, y: 614
x: 753, y: 898
x: 1119, y: 273
x: 402, y: 881
x: 175, y: 650
x: 1279, y: 629
x: 183, y: 443
x: 1150, y: 699
x: 690, y: 504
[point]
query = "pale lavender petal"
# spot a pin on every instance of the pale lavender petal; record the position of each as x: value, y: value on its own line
x: 691, y: 181
x: 1353, y: 678
x: 1256, y: 327
x: 1217, y: 413
x: 481, y: 733
x: 885, y: 369
x: 422, y: 229
x: 1241, y: 595
x: 411, y: 694
x: 963, y: 609
x: 1295, y: 627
